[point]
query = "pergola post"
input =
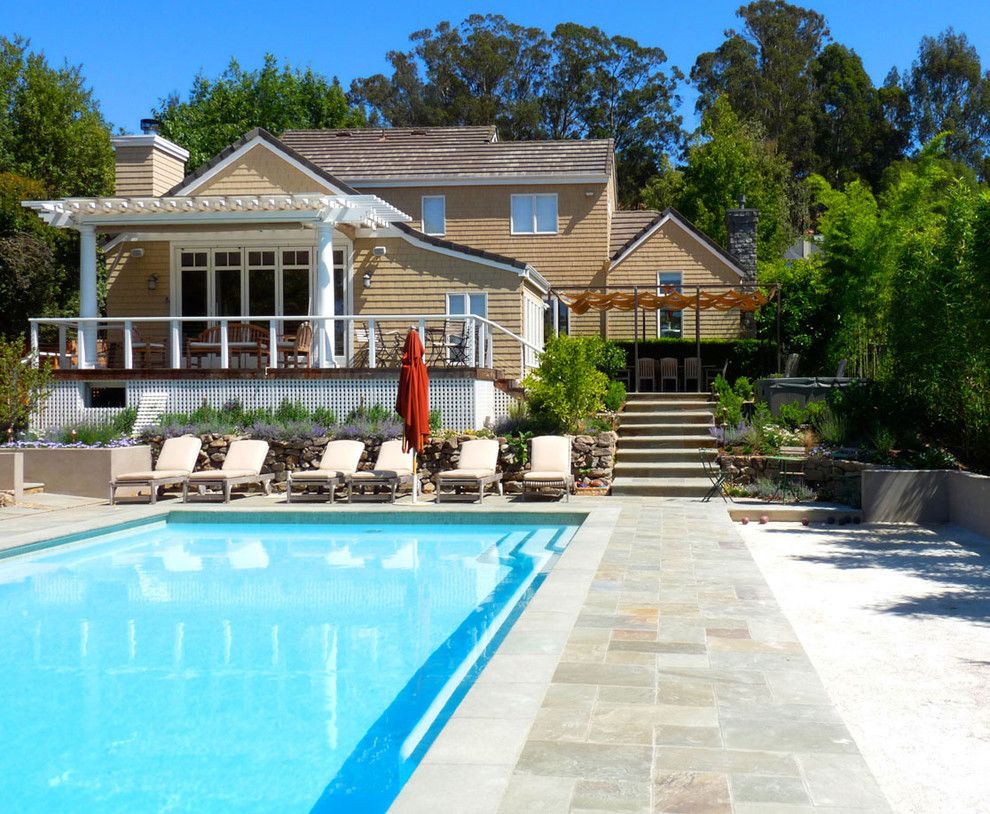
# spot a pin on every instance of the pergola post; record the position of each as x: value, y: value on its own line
x: 697, y: 332
x: 86, y: 334
x: 635, y: 381
x: 323, y: 302
x: 779, y: 353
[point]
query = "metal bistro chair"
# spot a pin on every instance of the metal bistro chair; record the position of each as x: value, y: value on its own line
x: 668, y: 371
x: 715, y: 474
x: 692, y: 371
x: 646, y: 369
x: 712, y: 373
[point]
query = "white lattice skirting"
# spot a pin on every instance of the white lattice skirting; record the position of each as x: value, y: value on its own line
x: 464, y: 404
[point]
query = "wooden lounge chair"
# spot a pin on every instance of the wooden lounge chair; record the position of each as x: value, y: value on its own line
x: 550, y: 466
x: 241, y: 466
x: 340, y: 460
x: 175, y: 462
x: 668, y: 371
x: 479, y: 458
x: 392, y: 470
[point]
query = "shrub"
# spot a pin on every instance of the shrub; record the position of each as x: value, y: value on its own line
x: 832, y: 427
x: 96, y: 433
x: 743, y: 388
x: 567, y: 387
x: 729, y: 409
x: 23, y: 388
x: 615, y: 396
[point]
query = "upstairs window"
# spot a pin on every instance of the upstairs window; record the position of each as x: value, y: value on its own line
x: 534, y: 214
x: 434, y: 214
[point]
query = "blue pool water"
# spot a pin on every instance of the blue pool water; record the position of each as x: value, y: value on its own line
x: 195, y: 666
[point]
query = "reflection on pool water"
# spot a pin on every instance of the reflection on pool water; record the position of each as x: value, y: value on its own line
x: 215, y: 666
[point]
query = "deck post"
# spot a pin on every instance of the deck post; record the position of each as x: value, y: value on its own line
x: 128, y: 344
x: 224, y: 345
x: 779, y: 354
x: 324, y: 306
x: 273, y: 344
x: 422, y: 332
x: 372, y: 345
x: 175, y: 344
x: 86, y: 337
x: 63, y: 343
x: 35, y: 346
x: 490, y: 342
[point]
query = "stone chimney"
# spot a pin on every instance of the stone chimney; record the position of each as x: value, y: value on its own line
x: 741, y: 226
x: 147, y: 164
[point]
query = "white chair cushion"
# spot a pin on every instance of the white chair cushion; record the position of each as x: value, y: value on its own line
x: 480, y: 453
x: 391, y: 457
x: 342, y: 456
x: 551, y: 453
x: 158, y: 474
x: 223, y: 474
x: 466, y: 473
x: 179, y: 453
x: 547, y: 474
x: 246, y: 456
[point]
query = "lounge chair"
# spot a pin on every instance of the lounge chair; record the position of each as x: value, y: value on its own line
x: 392, y: 470
x: 550, y: 466
x: 340, y: 460
x: 241, y: 466
x: 477, y: 468
x: 175, y: 462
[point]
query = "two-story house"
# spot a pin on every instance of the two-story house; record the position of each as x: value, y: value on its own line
x: 358, y: 234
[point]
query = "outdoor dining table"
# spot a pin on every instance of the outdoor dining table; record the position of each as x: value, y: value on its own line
x: 235, y: 350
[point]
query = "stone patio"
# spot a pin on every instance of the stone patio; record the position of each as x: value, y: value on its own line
x: 653, y: 672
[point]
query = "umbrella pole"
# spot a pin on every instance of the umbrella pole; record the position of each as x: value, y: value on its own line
x: 415, y: 477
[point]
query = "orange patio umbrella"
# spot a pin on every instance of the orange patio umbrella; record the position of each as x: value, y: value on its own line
x: 413, y: 401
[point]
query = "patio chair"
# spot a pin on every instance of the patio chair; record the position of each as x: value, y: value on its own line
x: 692, y: 371
x: 840, y: 372
x: 243, y: 340
x: 550, y: 466
x: 241, y: 466
x: 479, y: 458
x: 791, y: 365
x: 146, y: 350
x: 339, y: 462
x: 668, y: 371
x: 393, y: 469
x: 299, y: 351
x: 646, y: 369
x: 715, y: 474
x: 712, y: 373
x: 455, y: 342
x: 175, y: 463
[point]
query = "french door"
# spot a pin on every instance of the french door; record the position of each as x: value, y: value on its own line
x: 256, y: 282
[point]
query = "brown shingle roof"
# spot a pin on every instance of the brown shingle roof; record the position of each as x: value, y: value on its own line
x: 626, y: 225
x: 411, y: 154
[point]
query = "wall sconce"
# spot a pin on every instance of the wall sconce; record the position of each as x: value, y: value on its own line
x: 152, y: 282
x: 589, y: 193
x: 367, y: 280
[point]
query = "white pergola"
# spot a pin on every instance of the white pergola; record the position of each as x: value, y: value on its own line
x: 89, y: 216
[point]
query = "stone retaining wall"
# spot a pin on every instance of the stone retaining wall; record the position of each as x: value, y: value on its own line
x: 833, y: 480
x: 592, y: 457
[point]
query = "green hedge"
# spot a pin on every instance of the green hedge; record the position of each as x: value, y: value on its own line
x: 753, y: 358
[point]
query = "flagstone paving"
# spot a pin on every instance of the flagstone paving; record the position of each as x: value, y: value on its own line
x: 652, y: 672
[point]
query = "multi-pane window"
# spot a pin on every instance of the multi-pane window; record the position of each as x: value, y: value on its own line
x: 669, y: 323
x: 194, y: 280
x: 261, y: 283
x: 534, y: 214
x: 434, y: 214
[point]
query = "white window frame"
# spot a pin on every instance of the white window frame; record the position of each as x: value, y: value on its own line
x: 679, y: 314
x: 466, y: 295
x: 534, y: 230
x: 443, y: 214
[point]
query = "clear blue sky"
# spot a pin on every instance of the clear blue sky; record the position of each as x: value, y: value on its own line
x: 134, y: 53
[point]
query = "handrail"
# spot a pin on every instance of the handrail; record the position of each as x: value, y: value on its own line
x: 479, y: 346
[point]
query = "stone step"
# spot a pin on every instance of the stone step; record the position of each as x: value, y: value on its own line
x: 656, y: 428
x: 653, y: 405
x: 665, y: 469
x: 666, y: 396
x: 684, y: 417
x: 662, y: 487
x: 661, y: 455
x: 664, y: 441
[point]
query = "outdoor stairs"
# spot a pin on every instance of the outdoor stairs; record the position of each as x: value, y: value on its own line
x: 660, y: 435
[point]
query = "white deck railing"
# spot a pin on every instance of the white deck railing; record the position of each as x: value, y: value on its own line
x: 367, y: 341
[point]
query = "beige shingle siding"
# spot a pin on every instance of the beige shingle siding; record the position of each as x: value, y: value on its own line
x: 409, y: 279
x: 479, y: 216
x: 127, y: 285
x: 670, y: 248
x: 259, y: 172
x: 145, y: 171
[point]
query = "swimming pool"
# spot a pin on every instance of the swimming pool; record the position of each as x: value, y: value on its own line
x: 243, y: 662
